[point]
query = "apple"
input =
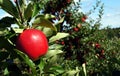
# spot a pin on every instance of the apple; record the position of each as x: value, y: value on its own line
x: 97, y: 45
x: 32, y: 42
x: 68, y: 1
x: 83, y: 19
x: 62, y: 42
x: 75, y: 29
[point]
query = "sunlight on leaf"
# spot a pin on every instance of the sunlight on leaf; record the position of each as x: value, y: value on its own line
x: 58, y: 36
x: 43, y: 22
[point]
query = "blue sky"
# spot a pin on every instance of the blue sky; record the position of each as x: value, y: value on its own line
x: 111, y: 11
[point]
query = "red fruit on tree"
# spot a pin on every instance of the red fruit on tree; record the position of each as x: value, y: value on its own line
x: 97, y: 45
x: 62, y: 42
x: 33, y: 42
x: 102, y: 52
x: 68, y: 1
x: 76, y: 29
x: 83, y: 19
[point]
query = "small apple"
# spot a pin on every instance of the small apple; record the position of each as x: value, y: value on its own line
x: 83, y: 19
x: 33, y: 42
x: 76, y: 29
x: 62, y: 42
x: 68, y: 1
x: 102, y: 52
x: 97, y: 45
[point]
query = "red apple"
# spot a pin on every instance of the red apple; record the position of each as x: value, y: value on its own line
x: 33, y: 42
x: 83, y: 19
x: 97, y: 45
x: 76, y: 29
x: 68, y: 1
x: 62, y: 42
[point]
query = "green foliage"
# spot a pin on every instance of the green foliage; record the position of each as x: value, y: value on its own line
x: 9, y: 7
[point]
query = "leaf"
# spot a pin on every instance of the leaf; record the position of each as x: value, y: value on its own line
x: 28, y: 61
x: 57, y: 69
x: 28, y: 11
x: 22, y: 4
x: 51, y: 53
x: 58, y: 36
x: 46, y: 16
x: 41, y: 65
x: 6, y: 72
x: 49, y: 16
x: 55, y: 46
x: 3, y: 31
x: 36, y: 9
x: 43, y: 22
x: 9, y: 7
x: 18, y: 30
x: 47, y: 31
x: 6, y: 22
x: 71, y: 73
x: 60, y: 21
x: 53, y: 59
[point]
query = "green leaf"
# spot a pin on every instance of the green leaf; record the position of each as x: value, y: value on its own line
x: 46, y: 16
x: 6, y: 22
x: 58, y: 36
x: 47, y: 31
x: 22, y: 4
x: 28, y: 11
x: 9, y: 7
x: 6, y: 72
x: 18, y: 30
x: 53, y: 59
x: 51, y: 53
x: 49, y: 16
x: 43, y: 22
x: 57, y: 69
x: 60, y: 21
x: 70, y: 73
x: 41, y: 65
x: 55, y: 46
x: 28, y: 61
x: 3, y: 31
x: 36, y: 9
